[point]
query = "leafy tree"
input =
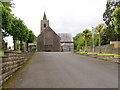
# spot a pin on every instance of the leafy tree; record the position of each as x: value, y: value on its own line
x: 107, y: 17
x: 6, y: 20
x: 116, y: 21
x: 19, y: 31
x: 99, y: 31
x: 86, y: 34
x: 8, y: 5
x: 79, y: 42
x: 110, y: 7
x: 31, y: 38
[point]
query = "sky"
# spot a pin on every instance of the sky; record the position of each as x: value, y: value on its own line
x: 65, y: 16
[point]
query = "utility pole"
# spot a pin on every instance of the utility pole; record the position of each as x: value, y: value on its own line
x: 93, y: 39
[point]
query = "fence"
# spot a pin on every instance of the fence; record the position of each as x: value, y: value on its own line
x: 10, y: 63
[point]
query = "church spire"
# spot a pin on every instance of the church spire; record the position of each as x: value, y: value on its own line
x: 44, y: 17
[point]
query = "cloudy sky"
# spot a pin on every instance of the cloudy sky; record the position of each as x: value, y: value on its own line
x: 71, y: 16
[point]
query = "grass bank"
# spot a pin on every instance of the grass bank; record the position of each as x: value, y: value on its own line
x: 102, y: 54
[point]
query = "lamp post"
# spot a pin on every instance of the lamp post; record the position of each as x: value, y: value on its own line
x: 93, y: 39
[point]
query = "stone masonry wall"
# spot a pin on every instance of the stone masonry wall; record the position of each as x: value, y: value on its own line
x: 105, y: 49
x: 10, y: 63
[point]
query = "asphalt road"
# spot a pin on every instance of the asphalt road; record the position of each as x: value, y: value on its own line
x: 67, y: 70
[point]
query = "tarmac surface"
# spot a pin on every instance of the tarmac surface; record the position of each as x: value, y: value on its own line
x: 67, y: 70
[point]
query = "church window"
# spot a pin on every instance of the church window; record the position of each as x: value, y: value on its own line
x: 44, y: 25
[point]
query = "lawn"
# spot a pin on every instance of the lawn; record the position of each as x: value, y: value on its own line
x: 1, y: 52
x: 17, y: 51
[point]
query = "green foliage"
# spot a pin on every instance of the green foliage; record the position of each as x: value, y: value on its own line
x: 8, y: 5
x: 110, y: 7
x: 108, y: 18
x: 22, y: 33
x: 31, y: 37
x: 18, y: 46
x: 86, y: 34
x: 6, y: 20
x: 79, y: 39
x: 78, y: 42
x: 99, y: 30
x: 116, y: 20
x: 33, y: 49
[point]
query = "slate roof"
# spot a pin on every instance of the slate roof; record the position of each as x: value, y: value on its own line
x: 65, y: 37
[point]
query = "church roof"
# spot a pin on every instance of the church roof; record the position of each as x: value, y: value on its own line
x: 49, y: 28
x: 65, y: 37
x: 44, y: 17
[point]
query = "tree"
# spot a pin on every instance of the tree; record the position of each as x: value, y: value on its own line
x: 87, y: 34
x: 19, y: 32
x: 31, y: 38
x: 79, y: 42
x: 110, y: 7
x: 23, y: 34
x: 8, y: 5
x: 99, y: 31
x: 6, y: 20
x: 116, y: 21
x: 15, y: 30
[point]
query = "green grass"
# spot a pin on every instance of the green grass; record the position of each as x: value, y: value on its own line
x: 92, y: 53
x: 82, y: 52
x: 102, y: 54
x: 116, y: 56
x: 1, y: 52
x: 17, y: 51
x: 106, y: 54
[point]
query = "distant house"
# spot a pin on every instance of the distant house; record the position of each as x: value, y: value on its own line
x: 50, y: 41
x: 66, y: 42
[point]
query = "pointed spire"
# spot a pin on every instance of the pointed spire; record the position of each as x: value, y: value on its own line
x: 44, y: 17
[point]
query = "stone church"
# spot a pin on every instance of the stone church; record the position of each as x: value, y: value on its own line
x: 48, y: 40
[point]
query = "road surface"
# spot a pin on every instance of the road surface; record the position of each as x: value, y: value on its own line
x: 67, y: 70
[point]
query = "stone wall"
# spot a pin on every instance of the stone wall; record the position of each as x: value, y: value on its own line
x: 110, y: 48
x: 116, y: 43
x: 10, y: 63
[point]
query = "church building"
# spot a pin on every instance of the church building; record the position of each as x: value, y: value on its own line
x: 48, y: 40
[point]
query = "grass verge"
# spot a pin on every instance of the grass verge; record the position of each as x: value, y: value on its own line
x: 1, y: 52
x: 102, y: 54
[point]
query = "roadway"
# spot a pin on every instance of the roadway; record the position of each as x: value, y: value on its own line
x: 67, y: 70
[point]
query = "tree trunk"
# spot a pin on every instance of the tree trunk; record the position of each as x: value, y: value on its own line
x: 0, y: 39
x: 85, y: 45
x: 26, y: 46
x: 21, y: 45
x: 99, y: 43
x: 15, y: 45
